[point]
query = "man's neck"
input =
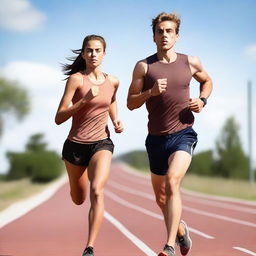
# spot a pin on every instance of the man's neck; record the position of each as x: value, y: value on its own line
x: 167, y: 56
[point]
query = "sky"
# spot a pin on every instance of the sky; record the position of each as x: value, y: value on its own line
x: 36, y: 36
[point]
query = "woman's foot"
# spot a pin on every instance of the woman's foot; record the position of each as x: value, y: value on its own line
x: 88, y: 251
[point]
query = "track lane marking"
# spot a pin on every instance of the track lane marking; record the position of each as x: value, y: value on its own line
x: 125, y: 168
x: 190, y: 209
x: 220, y: 217
x: 220, y: 205
x: 134, y: 239
x: 149, y: 213
x: 20, y: 208
x: 244, y: 250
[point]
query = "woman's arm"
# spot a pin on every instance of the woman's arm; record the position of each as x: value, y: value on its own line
x: 113, y: 112
x: 65, y: 111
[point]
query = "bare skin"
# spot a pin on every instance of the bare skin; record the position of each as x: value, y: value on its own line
x: 167, y: 188
x: 97, y: 172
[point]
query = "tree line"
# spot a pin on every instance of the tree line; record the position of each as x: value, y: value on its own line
x: 227, y: 159
x: 36, y: 161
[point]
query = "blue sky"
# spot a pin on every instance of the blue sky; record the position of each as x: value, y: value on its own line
x: 36, y: 36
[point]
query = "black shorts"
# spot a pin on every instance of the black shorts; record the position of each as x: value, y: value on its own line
x: 160, y: 148
x: 81, y: 154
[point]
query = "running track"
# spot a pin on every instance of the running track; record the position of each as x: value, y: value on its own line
x: 132, y: 225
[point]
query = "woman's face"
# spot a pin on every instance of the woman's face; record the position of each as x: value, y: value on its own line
x: 93, y: 53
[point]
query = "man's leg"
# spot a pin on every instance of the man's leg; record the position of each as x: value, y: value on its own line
x: 178, y: 165
x: 158, y: 183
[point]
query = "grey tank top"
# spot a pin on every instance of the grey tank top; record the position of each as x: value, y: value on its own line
x: 168, y: 112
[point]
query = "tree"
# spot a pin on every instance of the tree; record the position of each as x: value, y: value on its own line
x: 35, y: 143
x: 13, y: 99
x: 202, y: 163
x: 37, y: 163
x: 137, y: 158
x: 231, y: 160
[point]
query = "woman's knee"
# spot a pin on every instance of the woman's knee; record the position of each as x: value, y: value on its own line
x: 97, y: 192
x: 161, y: 201
x: 77, y: 198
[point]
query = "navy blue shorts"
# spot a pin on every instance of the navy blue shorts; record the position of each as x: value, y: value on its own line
x: 160, y: 148
x: 81, y: 154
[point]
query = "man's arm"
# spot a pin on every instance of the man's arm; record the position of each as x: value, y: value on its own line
x: 196, y: 105
x: 136, y: 98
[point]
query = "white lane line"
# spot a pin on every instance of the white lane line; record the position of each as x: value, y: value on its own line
x: 219, y: 198
x: 245, y: 250
x: 147, y: 212
x: 134, y: 239
x: 200, y: 212
x: 130, y: 190
x: 132, y: 206
x: 221, y: 217
x: 20, y: 208
x: 220, y: 205
x: 128, y: 169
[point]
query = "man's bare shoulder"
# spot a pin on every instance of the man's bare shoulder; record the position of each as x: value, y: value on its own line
x: 194, y: 61
x: 141, y: 67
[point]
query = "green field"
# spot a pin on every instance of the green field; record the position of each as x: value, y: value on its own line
x: 218, y: 186
x: 12, y: 191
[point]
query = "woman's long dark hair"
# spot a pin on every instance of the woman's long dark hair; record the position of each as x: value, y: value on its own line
x: 79, y: 64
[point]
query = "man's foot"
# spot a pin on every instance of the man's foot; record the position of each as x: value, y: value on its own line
x: 184, y: 242
x: 88, y: 251
x: 168, y: 251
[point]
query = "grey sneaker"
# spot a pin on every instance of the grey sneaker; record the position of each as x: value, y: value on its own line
x: 168, y: 251
x: 184, y: 242
x: 88, y: 251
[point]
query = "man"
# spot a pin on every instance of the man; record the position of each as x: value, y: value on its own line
x: 162, y: 82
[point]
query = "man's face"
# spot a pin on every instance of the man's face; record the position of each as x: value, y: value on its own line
x: 165, y: 35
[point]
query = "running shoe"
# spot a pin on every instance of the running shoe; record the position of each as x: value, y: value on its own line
x: 88, y: 251
x: 184, y: 242
x: 168, y: 251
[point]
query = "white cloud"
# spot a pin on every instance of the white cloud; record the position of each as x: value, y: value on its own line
x: 45, y: 87
x: 32, y: 75
x: 250, y: 51
x: 19, y: 15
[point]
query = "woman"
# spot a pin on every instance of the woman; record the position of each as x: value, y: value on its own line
x: 87, y: 152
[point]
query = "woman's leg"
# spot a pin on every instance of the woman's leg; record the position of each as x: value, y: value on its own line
x: 78, y: 179
x: 98, y: 173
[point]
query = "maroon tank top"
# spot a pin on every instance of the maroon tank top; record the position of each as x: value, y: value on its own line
x: 169, y: 112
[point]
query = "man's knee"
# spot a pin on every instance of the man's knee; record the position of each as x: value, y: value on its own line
x: 173, y: 185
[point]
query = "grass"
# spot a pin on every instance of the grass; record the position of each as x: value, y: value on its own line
x: 13, y: 191
x: 219, y: 186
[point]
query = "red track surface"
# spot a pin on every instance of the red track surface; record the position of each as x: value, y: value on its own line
x: 59, y: 228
